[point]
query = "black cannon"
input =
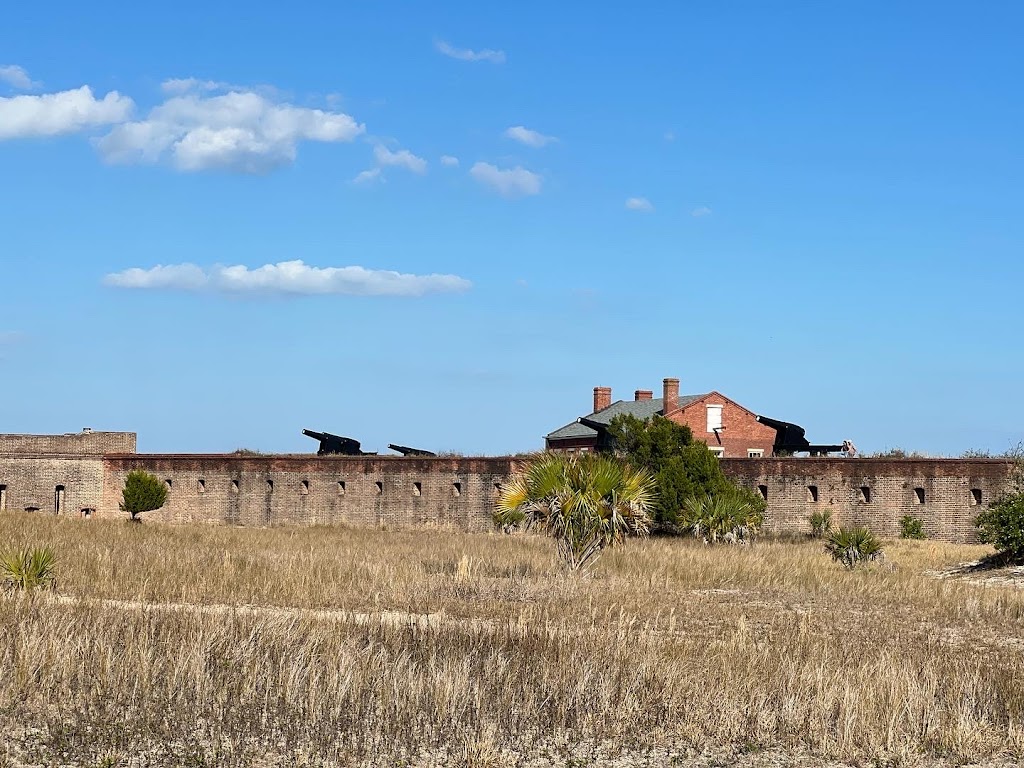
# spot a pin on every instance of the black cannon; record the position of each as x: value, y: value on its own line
x: 335, y: 445
x: 790, y: 438
x: 407, y: 451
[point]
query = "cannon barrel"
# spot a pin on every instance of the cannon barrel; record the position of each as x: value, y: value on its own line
x: 335, y: 444
x: 407, y: 451
x: 315, y: 435
x: 598, y: 426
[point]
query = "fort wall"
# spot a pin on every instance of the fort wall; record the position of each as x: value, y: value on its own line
x: 945, y: 494
x: 85, y: 443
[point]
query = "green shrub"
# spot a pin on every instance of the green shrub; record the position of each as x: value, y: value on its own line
x: 853, y: 546
x: 911, y: 528
x: 1002, y: 525
x: 821, y: 523
x: 731, y: 516
x: 27, y: 569
x: 143, y: 492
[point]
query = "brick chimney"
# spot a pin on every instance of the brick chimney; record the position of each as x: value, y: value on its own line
x: 602, y: 398
x: 643, y: 394
x: 670, y: 395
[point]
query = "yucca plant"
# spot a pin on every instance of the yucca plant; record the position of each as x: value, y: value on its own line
x: 729, y: 516
x: 911, y: 528
x: 853, y: 546
x: 586, y: 502
x: 28, y: 569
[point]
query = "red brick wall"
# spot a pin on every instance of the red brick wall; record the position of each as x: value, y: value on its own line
x: 742, y: 431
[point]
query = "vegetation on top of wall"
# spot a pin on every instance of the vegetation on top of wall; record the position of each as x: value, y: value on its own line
x: 684, y: 468
x: 586, y: 502
x: 143, y: 492
x: 897, y: 453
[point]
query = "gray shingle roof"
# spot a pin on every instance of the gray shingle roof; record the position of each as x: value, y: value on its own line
x: 642, y: 409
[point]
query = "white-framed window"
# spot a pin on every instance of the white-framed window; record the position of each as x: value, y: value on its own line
x: 714, y: 417
x: 717, y: 451
x: 754, y: 453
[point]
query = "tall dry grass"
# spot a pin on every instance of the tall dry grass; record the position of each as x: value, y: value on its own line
x: 668, y: 645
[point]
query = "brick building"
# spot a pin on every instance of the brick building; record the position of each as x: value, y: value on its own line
x: 729, y: 429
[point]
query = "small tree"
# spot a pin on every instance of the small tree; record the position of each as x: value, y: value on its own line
x: 143, y: 492
x: 821, y: 523
x: 1002, y: 524
x: 911, y: 528
x: 585, y: 502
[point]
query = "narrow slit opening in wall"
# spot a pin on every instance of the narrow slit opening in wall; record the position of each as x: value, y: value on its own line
x: 763, y: 490
x: 341, y: 487
x: 497, y: 487
x: 865, y: 494
x: 417, y: 489
x: 919, y: 495
x: 3, y: 498
x: 380, y: 487
x: 812, y: 493
x: 304, y: 487
x: 201, y: 485
x: 975, y: 496
x: 234, y: 486
x: 58, y: 499
x: 456, y: 489
x: 169, y: 482
x: 270, y: 486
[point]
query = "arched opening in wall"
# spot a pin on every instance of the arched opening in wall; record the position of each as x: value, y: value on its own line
x: 763, y: 490
x: 234, y: 486
x: 170, y: 483
x: 417, y: 489
x: 865, y: 494
x: 58, y: 499
x: 975, y: 496
x: 87, y: 512
x: 304, y: 488
x: 270, y: 485
x: 812, y: 493
x: 380, y: 487
x: 919, y: 495
x: 341, y: 487
x: 456, y: 489
x: 497, y: 488
x: 200, y: 485
x: 3, y: 498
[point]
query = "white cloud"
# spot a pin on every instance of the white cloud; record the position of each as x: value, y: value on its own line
x: 700, y: 211
x: 403, y: 158
x: 290, y: 278
x: 467, y: 54
x: 449, y: 161
x: 639, y: 204
x: 528, y: 137
x: 365, y: 177
x: 510, y: 182
x: 179, y: 85
x: 17, y: 77
x: 240, y: 131
x: 52, y: 114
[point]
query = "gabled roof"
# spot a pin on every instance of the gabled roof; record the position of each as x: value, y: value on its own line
x: 642, y: 409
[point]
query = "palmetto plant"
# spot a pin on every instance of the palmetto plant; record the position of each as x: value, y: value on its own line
x: 586, y: 502
x: 852, y: 546
x: 729, y: 516
x: 27, y: 569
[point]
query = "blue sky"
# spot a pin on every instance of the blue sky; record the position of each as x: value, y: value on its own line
x: 442, y: 225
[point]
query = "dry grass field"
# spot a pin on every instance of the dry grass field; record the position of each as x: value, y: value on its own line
x: 203, y: 646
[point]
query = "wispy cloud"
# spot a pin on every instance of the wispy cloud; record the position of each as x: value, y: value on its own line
x: 528, y: 137
x: 10, y: 337
x: 403, y: 158
x: 368, y: 176
x: 508, y: 182
x: 639, y: 204
x: 241, y: 130
x: 17, y: 77
x: 53, y: 114
x: 700, y: 211
x: 449, y: 161
x: 289, y: 278
x: 468, y: 54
